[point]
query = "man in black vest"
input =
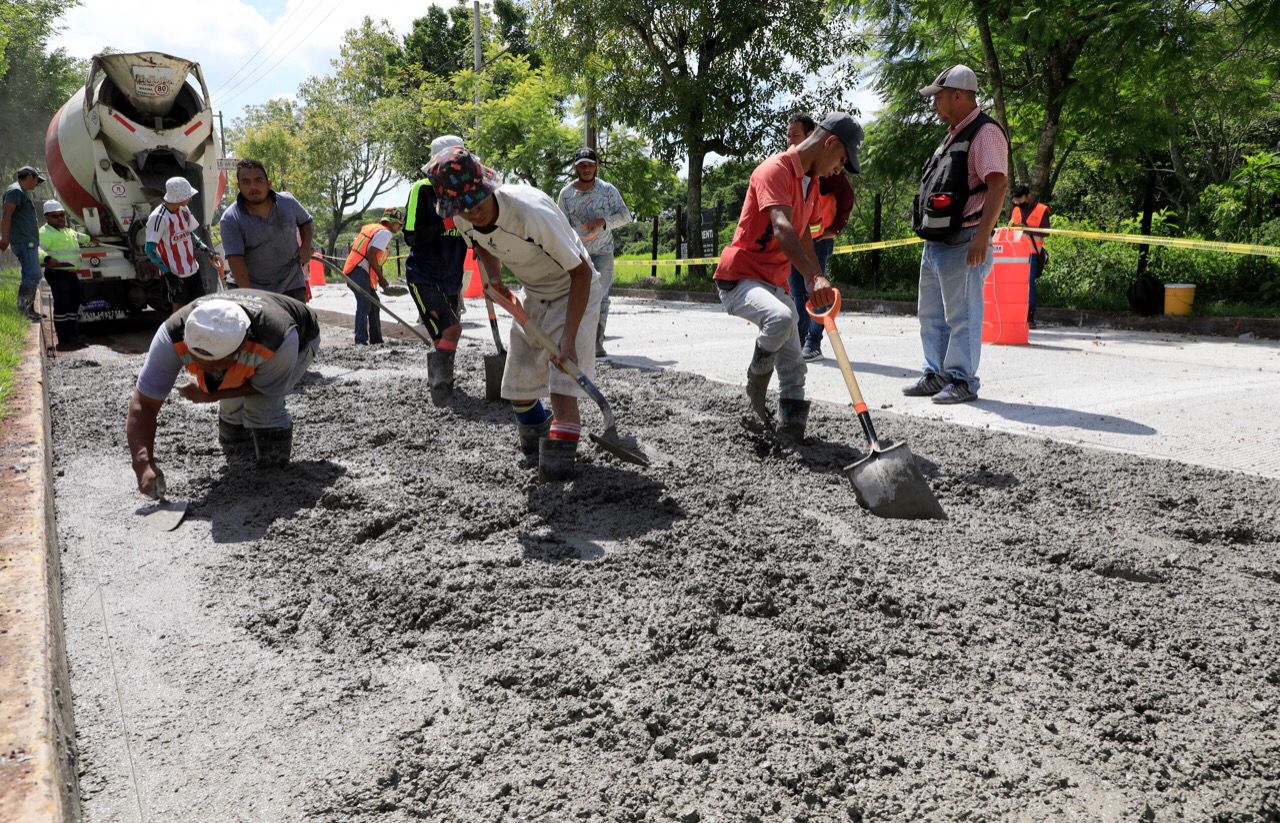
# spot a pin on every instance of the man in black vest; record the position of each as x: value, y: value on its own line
x: 961, y: 197
x: 246, y: 350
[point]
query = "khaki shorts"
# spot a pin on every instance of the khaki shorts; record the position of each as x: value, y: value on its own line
x: 529, y: 373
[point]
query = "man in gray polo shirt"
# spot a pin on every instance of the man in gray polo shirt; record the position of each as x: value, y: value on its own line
x: 266, y: 235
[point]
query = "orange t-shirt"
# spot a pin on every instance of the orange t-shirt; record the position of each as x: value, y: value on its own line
x: 755, y: 254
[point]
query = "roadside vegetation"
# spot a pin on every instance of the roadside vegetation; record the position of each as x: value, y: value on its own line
x: 13, y: 334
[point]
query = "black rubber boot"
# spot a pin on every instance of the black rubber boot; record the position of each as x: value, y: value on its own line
x: 273, y: 447
x: 530, y: 435
x: 232, y: 435
x: 600, y: 352
x: 556, y: 459
x: 440, y: 376
x: 793, y: 416
x: 759, y: 373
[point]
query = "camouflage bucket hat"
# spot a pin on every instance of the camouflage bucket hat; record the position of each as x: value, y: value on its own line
x: 460, y: 180
x: 393, y: 215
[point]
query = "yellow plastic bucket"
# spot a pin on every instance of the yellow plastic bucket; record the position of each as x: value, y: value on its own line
x: 1178, y: 298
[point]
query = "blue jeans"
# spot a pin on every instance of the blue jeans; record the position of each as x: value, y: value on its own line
x: 29, y: 261
x: 603, y: 264
x: 810, y: 332
x: 950, y: 309
x: 368, y: 316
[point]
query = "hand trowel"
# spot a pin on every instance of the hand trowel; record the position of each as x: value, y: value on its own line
x: 164, y: 515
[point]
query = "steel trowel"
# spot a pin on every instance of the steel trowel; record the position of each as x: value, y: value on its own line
x: 164, y: 515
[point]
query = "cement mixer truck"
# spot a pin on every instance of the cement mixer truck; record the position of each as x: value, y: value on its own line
x: 140, y: 119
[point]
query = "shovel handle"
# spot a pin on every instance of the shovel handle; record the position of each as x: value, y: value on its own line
x: 569, y: 367
x: 831, y: 299
x: 493, y: 321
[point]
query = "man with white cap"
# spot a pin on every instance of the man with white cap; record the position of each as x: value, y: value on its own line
x: 960, y: 199
x: 595, y: 208
x: 60, y: 256
x: 433, y: 270
x: 247, y: 350
x: 172, y: 241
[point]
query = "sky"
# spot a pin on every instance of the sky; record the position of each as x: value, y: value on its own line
x: 250, y: 51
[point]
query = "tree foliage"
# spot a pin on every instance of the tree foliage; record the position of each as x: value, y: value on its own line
x: 34, y: 81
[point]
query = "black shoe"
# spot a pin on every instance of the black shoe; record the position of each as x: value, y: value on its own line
x: 957, y: 392
x: 927, y: 386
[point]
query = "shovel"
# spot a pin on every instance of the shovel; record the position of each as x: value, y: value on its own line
x: 163, y: 515
x: 365, y: 293
x: 623, y: 449
x: 494, y: 364
x: 887, y: 482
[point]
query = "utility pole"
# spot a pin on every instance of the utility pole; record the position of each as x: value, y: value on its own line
x: 222, y: 136
x: 477, y: 55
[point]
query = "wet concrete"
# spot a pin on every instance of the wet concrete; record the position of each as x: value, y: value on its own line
x: 406, y: 625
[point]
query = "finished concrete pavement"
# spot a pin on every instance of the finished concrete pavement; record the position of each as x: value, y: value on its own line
x: 1205, y: 401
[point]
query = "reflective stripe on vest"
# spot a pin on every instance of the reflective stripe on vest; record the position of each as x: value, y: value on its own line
x: 247, y: 360
x: 360, y: 247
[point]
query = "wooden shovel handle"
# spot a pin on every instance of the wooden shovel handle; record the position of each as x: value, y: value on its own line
x: 829, y: 297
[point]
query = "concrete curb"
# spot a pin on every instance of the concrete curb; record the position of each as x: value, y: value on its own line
x: 1260, y: 327
x: 38, y: 756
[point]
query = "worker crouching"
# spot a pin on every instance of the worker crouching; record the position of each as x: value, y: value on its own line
x: 522, y: 228
x: 246, y: 350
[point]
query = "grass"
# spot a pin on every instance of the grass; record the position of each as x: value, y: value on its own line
x: 13, y: 333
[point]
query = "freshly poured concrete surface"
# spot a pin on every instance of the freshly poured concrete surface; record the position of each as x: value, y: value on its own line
x: 1201, y: 400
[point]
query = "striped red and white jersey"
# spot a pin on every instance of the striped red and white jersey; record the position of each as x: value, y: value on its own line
x: 171, y: 232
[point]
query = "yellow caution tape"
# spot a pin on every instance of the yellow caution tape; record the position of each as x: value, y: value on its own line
x: 1173, y: 242
x: 702, y: 261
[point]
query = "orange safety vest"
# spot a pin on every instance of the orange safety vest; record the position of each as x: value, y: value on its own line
x: 360, y: 251
x: 247, y: 360
x: 824, y: 213
x: 1035, y: 220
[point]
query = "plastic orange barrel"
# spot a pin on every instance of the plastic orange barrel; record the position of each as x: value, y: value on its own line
x: 315, y: 272
x: 1006, y: 290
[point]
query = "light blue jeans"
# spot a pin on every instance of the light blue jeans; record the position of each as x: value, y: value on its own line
x: 950, y: 309
x: 603, y: 264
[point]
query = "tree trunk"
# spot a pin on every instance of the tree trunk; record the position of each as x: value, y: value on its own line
x: 334, y: 229
x: 693, y: 202
x: 1057, y: 80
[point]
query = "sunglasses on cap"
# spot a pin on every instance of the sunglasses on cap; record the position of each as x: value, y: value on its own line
x: 55, y: 214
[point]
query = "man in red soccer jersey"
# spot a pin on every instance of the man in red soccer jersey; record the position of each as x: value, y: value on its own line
x: 172, y: 241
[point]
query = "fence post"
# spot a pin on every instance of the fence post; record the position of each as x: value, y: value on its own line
x: 875, y: 237
x: 653, y: 269
x: 679, y: 224
x: 1148, y: 206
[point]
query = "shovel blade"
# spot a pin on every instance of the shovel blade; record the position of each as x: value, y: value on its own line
x: 888, y: 483
x: 494, y: 365
x: 622, y: 448
x: 165, y: 515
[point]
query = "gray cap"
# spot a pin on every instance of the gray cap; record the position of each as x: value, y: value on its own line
x: 842, y: 125
x: 958, y: 76
x: 27, y: 171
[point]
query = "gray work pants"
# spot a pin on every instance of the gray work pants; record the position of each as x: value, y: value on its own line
x: 264, y: 411
x: 770, y: 308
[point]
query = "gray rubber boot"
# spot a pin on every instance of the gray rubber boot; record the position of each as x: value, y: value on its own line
x: 273, y: 447
x: 530, y: 435
x: 793, y: 416
x: 27, y: 302
x: 556, y: 459
x: 600, y: 352
x: 440, y: 376
x: 232, y: 435
x: 759, y: 373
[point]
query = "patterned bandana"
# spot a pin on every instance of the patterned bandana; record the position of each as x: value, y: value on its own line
x: 461, y: 182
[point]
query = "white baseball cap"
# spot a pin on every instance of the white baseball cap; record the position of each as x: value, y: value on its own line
x: 444, y: 141
x: 215, y: 329
x: 178, y: 190
x: 958, y: 76
x: 51, y: 206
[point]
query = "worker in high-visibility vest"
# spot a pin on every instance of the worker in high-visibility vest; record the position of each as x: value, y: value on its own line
x: 1027, y: 212
x: 364, y: 267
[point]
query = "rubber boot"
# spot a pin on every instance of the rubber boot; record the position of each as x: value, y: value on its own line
x: 440, y: 376
x: 27, y: 303
x: 600, y: 352
x: 793, y: 415
x: 556, y: 459
x: 273, y: 447
x: 759, y: 373
x: 530, y: 435
x: 231, y: 435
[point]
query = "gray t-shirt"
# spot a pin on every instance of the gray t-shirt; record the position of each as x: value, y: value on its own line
x: 23, y: 230
x: 269, y: 247
x: 160, y: 371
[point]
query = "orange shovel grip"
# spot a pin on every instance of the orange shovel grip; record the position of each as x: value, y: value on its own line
x: 829, y: 297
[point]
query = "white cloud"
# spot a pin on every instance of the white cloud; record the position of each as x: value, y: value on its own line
x: 222, y: 35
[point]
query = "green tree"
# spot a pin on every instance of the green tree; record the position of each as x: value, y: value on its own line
x: 272, y: 133
x: 34, y: 81
x: 696, y: 76
x: 439, y: 42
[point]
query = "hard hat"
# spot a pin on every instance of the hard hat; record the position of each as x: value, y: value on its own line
x: 215, y: 328
x: 178, y: 190
x: 52, y: 206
